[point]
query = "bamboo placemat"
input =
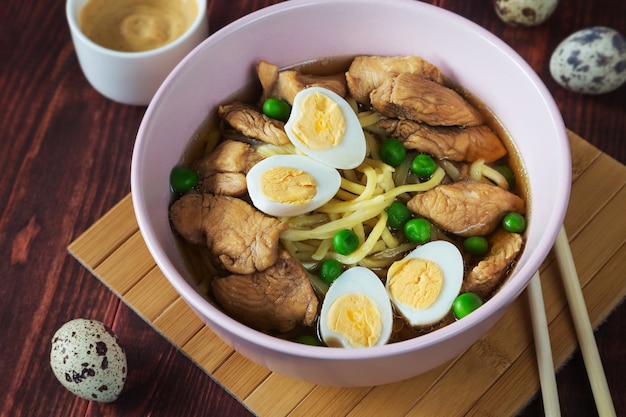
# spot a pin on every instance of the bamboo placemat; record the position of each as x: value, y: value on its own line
x: 502, y: 364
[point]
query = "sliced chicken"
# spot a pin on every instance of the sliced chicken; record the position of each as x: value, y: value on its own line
x: 367, y: 73
x: 466, y: 208
x: 223, y: 170
x: 250, y: 122
x: 278, y: 298
x: 286, y: 84
x: 454, y: 143
x: 410, y: 96
x: 488, y: 273
x: 242, y: 239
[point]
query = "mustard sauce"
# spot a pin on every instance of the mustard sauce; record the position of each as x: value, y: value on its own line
x: 136, y: 25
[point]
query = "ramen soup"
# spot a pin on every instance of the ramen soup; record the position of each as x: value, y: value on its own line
x: 350, y: 202
x: 136, y: 25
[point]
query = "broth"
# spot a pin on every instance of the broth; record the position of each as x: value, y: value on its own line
x: 208, y: 136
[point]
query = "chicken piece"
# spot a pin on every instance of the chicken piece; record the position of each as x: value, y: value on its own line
x: 241, y: 238
x: 410, y: 96
x: 367, y: 73
x: 278, y: 298
x: 454, y: 143
x: 286, y: 84
x: 466, y: 208
x: 488, y: 273
x: 223, y: 170
x: 252, y: 123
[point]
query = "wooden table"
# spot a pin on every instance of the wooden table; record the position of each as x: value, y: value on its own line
x: 66, y: 151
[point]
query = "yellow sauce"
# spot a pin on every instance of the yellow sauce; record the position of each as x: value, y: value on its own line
x: 136, y: 25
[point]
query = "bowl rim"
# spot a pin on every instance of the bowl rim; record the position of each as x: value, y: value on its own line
x: 501, y: 300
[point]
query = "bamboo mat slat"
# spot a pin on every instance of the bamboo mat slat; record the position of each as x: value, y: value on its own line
x: 502, y: 363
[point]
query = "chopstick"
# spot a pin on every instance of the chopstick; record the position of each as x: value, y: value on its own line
x: 582, y: 324
x: 543, y: 348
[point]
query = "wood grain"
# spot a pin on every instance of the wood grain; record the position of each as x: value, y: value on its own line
x: 477, y: 379
x: 65, y: 153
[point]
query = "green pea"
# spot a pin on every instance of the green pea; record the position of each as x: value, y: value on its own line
x: 392, y: 152
x: 417, y: 230
x: 345, y: 242
x: 397, y: 215
x: 330, y: 270
x: 306, y: 339
x: 465, y: 303
x: 183, y: 179
x: 476, y: 245
x: 423, y: 165
x: 277, y: 108
x: 507, y: 173
x: 514, y: 223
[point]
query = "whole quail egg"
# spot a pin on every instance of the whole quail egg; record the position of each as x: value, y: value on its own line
x: 424, y: 284
x: 590, y: 61
x: 88, y: 360
x: 323, y: 126
x: 525, y: 12
x: 356, y: 311
x: 290, y: 185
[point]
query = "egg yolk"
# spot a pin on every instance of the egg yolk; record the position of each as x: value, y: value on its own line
x: 415, y: 282
x: 356, y: 318
x: 288, y: 185
x: 320, y: 124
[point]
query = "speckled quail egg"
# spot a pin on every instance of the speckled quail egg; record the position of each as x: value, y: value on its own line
x: 88, y: 360
x: 356, y: 311
x: 323, y: 126
x: 423, y: 285
x: 590, y: 61
x: 525, y: 12
x: 289, y: 185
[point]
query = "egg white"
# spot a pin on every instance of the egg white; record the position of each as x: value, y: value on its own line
x: 448, y: 257
x: 357, y: 280
x: 350, y: 152
x: 327, y: 181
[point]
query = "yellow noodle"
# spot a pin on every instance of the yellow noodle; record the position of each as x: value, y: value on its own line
x: 419, y: 187
x: 379, y: 246
x: 359, y: 230
x: 329, y: 229
x: 353, y: 104
x: 378, y: 164
x: 368, y: 118
x: 303, y: 221
x: 385, y: 181
x: 452, y: 171
x: 350, y: 175
x: 372, y: 145
x: 367, y: 246
x: 475, y: 171
x: 290, y: 247
x: 352, y: 186
x: 495, y: 176
x: 360, y: 211
x: 268, y: 150
x: 351, y: 205
x: 343, y: 195
x: 322, y: 250
x: 370, y: 183
x: 402, y: 171
x: 389, y: 239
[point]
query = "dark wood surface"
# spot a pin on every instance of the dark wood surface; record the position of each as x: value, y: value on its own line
x: 66, y: 151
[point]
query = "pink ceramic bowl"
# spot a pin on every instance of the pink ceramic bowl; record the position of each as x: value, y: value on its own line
x: 301, y: 30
